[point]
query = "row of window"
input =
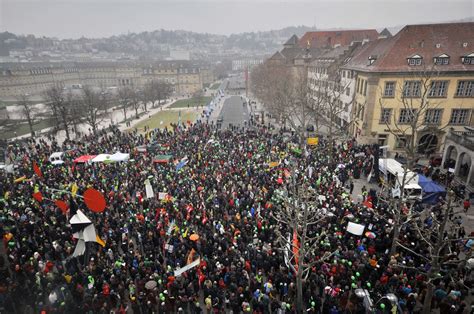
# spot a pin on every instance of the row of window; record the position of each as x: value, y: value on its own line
x: 436, y: 89
x: 432, y: 116
x: 440, y: 60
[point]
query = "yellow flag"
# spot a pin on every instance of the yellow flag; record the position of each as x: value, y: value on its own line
x: 74, y: 189
x: 20, y: 179
x: 312, y: 141
x: 273, y: 164
x: 99, y: 240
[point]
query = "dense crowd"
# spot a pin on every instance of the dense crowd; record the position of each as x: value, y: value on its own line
x: 226, y: 195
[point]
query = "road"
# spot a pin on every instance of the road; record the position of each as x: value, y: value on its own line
x: 234, y: 112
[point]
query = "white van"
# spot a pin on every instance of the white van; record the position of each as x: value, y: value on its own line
x: 394, y: 173
x: 56, y: 158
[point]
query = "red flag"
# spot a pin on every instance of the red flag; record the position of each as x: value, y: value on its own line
x: 61, y: 205
x: 38, y: 196
x: 296, y: 248
x: 37, y: 170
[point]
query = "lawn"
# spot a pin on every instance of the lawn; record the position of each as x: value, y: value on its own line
x: 215, y: 86
x: 164, y: 118
x: 23, y: 128
x: 191, y: 102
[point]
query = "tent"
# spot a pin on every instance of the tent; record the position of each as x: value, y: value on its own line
x: 84, y: 158
x: 120, y: 157
x: 101, y: 158
x: 431, y: 190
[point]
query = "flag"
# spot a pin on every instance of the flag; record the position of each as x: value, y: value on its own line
x: 99, y: 240
x: 296, y: 248
x: 37, y: 170
x: 312, y: 141
x: 190, y: 258
x: 149, y: 189
x: 74, y: 189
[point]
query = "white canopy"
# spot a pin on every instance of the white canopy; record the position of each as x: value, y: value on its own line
x: 101, y: 158
x: 120, y: 157
x: 56, y: 155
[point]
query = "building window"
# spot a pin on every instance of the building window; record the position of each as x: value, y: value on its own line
x: 433, y: 116
x: 465, y: 89
x: 412, y: 89
x: 389, y: 89
x: 385, y: 115
x: 415, y: 60
x: 406, y: 116
x: 441, y: 60
x: 382, y: 139
x: 365, y: 88
x: 469, y: 59
x: 438, y: 89
x: 459, y: 116
x: 402, y: 141
x: 348, y: 91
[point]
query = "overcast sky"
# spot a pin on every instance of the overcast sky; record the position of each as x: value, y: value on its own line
x: 76, y: 18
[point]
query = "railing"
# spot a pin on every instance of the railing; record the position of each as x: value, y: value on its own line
x: 463, y: 138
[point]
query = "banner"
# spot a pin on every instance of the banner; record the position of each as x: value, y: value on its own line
x: 181, y: 270
x: 312, y: 141
x: 355, y: 229
x: 149, y: 189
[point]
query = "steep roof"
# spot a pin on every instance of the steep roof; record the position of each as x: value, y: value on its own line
x: 426, y: 41
x: 322, y: 39
x: 292, y: 41
x: 385, y: 33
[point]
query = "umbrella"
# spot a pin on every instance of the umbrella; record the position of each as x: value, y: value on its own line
x: 194, y: 237
x: 150, y: 285
x: 370, y: 235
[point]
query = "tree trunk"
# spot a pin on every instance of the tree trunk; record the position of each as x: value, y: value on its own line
x: 66, y: 129
x: 299, y: 291
x: 428, y: 298
x: 396, y: 225
x: 30, y: 125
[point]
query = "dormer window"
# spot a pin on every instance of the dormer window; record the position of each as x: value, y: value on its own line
x: 441, y: 60
x: 372, y: 59
x: 468, y: 59
x: 415, y: 60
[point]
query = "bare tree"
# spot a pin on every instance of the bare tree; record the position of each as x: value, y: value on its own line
x: 28, y: 112
x: 300, y: 232
x: 285, y: 94
x: 418, y: 111
x: 92, y: 108
x: 59, y: 106
x: 125, y: 98
x: 163, y: 91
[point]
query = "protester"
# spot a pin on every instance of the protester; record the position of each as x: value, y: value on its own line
x: 214, y: 204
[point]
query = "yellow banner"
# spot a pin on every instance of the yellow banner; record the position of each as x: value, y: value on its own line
x: 312, y: 141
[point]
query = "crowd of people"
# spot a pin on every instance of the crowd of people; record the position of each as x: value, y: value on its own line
x: 219, y: 208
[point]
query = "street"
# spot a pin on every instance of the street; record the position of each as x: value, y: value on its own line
x: 234, y: 112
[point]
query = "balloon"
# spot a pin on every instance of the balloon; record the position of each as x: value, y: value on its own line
x: 313, y: 304
x: 353, y: 278
x: 357, y: 274
x: 369, y: 285
x: 382, y: 306
x: 350, y: 263
x: 94, y: 200
x: 354, y: 285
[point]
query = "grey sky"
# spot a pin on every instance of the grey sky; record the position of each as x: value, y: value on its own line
x: 74, y: 18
